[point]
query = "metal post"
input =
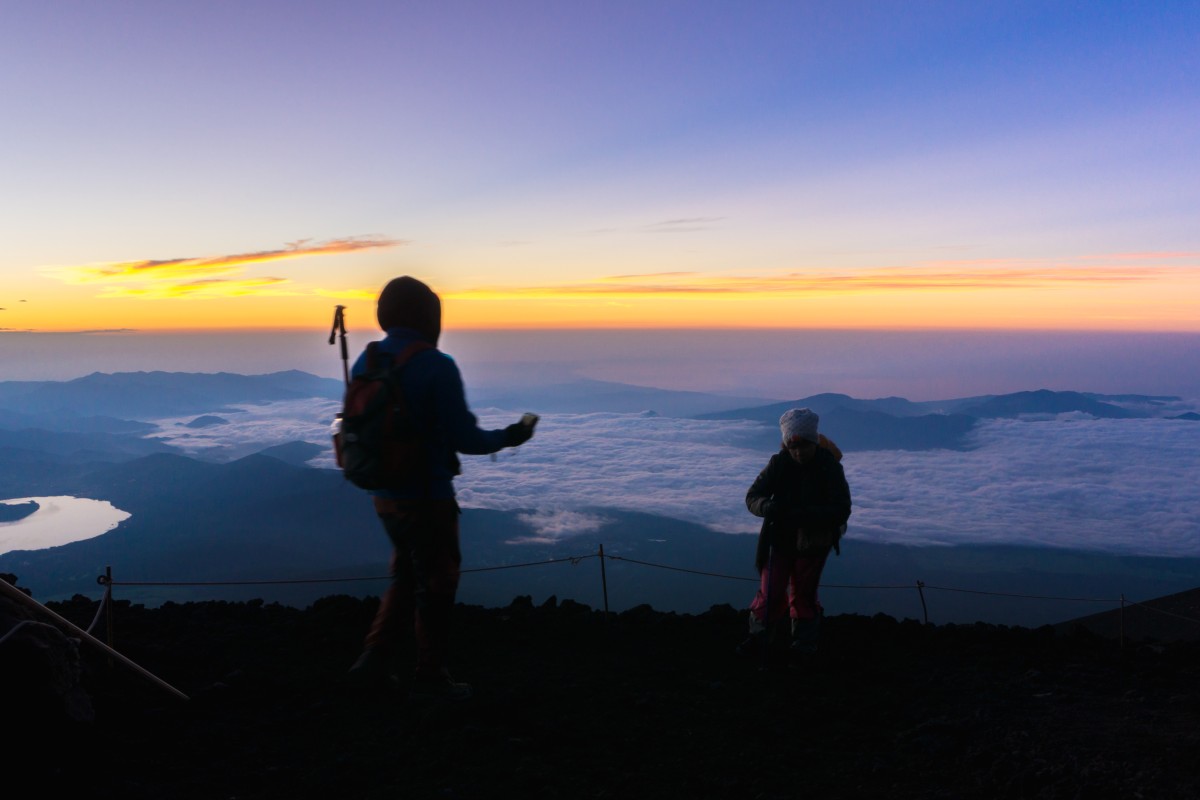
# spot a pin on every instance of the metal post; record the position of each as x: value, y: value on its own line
x: 924, y: 608
x: 1121, y: 621
x: 604, y: 581
x: 108, y: 610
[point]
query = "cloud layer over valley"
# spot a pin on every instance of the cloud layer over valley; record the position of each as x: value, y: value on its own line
x: 1121, y: 486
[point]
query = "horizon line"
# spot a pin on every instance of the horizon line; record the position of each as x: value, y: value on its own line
x: 297, y: 329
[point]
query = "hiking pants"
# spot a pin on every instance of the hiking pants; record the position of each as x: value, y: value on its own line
x: 793, y: 585
x: 425, y: 564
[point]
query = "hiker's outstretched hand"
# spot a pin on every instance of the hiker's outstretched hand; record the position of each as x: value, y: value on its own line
x: 518, y: 433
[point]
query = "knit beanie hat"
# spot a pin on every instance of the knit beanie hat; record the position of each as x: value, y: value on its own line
x: 799, y: 423
x: 407, y: 303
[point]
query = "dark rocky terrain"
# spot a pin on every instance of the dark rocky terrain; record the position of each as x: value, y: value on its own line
x: 643, y: 704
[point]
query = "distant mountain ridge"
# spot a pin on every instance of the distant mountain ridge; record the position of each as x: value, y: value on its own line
x: 896, y: 423
x: 149, y: 395
x: 102, y: 417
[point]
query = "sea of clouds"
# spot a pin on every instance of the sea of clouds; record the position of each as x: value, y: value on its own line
x: 1120, y: 486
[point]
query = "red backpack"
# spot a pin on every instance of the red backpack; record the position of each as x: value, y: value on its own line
x: 381, y: 445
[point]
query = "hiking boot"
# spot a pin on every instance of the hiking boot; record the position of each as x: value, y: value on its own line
x: 753, y: 644
x: 440, y: 686
x: 372, y: 672
x: 805, y: 633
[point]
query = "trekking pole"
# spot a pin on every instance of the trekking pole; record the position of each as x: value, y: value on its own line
x: 604, y: 583
x: 339, y: 329
x: 766, y: 665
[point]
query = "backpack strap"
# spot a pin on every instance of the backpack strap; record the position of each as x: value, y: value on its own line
x: 373, y: 354
x: 411, y: 350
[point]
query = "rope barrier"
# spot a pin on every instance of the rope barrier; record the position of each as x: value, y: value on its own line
x: 99, y: 611
x: 31, y: 623
x: 572, y: 560
x: 862, y: 586
x: 1028, y: 596
x: 101, y: 580
x: 1161, y: 611
x: 104, y: 580
x: 681, y: 569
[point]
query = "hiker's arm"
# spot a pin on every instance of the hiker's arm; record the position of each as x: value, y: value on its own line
x: 460, y: 426
x: 758, y: 498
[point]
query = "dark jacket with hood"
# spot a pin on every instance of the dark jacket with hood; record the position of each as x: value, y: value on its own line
x: 409, y: 312
x: 804, y: 506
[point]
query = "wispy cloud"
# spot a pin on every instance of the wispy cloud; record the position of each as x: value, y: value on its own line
x: 209, y: 276
x: 205, y: 287
x: 957, y: 275
x: 683, y: 225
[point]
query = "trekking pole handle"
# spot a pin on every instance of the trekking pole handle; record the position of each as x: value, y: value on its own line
x: 339, y: 328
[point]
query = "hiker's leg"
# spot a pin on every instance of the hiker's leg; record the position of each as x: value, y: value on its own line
x: 806, y: 577
x: 395, y: 612
x: 436, y: 570
x: 773, y: 578
x: 805, y: 607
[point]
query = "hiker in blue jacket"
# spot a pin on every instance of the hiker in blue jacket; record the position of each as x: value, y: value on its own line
x: 804, y: 500
x: 420, y: 516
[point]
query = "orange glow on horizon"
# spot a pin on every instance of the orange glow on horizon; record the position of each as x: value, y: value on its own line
x: 1149, y: 292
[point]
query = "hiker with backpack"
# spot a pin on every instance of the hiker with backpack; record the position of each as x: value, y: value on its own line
x: 407, y: 455
x: 804, y: 500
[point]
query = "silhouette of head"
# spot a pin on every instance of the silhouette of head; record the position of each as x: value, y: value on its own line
x: 407, y: 303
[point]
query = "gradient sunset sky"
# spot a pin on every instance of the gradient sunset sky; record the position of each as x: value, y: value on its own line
x: 206, y: 165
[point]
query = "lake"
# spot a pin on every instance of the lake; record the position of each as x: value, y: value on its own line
x: 58, y: 520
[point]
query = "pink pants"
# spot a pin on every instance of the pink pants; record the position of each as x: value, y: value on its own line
x: 793, y: 585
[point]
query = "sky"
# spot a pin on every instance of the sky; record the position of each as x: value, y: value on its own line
x: 219, y: 166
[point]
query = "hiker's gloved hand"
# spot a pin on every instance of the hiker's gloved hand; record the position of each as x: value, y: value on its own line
x: 517, y: 433
x: 767, y: 509
x: 786, y: 516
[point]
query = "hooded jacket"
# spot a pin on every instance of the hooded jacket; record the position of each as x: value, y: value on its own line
x: 409, y: 311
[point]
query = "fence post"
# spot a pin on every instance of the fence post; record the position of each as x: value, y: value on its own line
x: 1121, y: 621
x: 108, y: 612
x: 604, y: 581
x: 924, y: 608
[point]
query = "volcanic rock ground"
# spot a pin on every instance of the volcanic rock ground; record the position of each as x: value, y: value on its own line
x: 570, y: 704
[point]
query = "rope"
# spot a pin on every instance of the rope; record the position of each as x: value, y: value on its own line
x: 104, y: 581
x: 574, y: 560
x: 22, y: 624
x: 238, y: 583
x: 1029, y: 596
x: 682, y: 569
x: 864, y: 586
x: 744, y: 578
x: 99, y: 611
x: 1161, y: 611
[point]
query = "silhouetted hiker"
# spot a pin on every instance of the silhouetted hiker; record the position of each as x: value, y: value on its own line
x: 804, y: 501
x: 420, y: 515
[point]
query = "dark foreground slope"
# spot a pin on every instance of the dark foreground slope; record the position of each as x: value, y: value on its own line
x: 644, y: 705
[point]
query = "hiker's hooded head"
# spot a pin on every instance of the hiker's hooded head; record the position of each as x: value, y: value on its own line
x: 407, y: 303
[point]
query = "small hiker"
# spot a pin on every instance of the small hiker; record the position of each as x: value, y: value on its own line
x: 420, y: 514
x: 804, y: 500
